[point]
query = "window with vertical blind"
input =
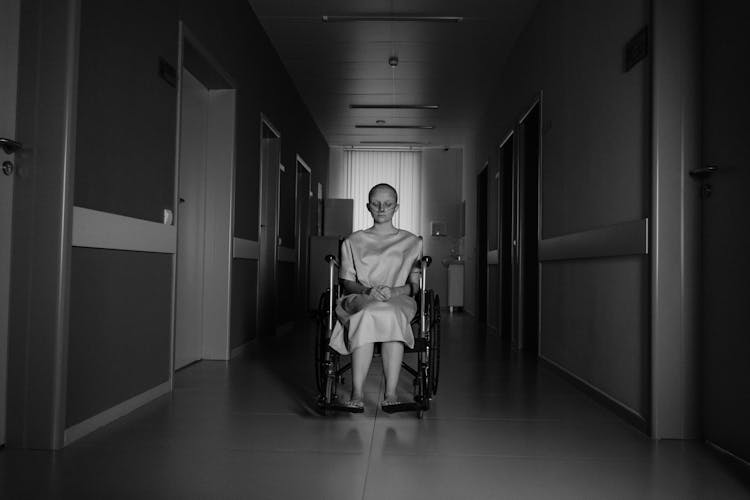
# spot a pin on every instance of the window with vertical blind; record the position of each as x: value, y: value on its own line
x: 362, y: 169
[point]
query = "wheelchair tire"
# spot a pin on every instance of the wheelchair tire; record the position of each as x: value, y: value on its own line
x: 321, y: 345
x: 421, y: 394
x: 434, y: 344
x: 320, y: 373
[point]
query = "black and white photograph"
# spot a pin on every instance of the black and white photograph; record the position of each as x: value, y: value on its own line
x: 375, y: 249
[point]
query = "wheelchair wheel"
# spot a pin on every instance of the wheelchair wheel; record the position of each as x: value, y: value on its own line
x: 434, y: 344
x: 321, y: 346
x: 421, y: 393
x: 332, y: 381
x: 422, y: 384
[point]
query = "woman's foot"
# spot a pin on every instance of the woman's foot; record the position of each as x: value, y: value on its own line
x: 391, y: 404
x: 355, y: 405
x: 389, y: 400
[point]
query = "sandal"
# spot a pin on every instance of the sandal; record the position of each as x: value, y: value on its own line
x: 354, y: 406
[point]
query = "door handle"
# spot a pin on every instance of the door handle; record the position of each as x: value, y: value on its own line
x: 702, y: 173
x: 10, y: 146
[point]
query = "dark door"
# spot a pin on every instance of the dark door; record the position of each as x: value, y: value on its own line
x: 270, y: 157
x: 725, y: 223
x: 304, y: 202
x: 493, y: 248
x: 528, y: 230
x: 481, y: 289
x: 506, y: 237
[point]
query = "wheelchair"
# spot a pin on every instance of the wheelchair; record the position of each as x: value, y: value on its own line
x: 330, y: 367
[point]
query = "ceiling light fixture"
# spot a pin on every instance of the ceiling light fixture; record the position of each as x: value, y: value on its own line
x: 421, y: 127
x: 388, y: 19
x: 394, y: 106
x: 401, y: 143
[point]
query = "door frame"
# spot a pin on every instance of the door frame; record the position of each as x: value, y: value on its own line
x: 482, y: 245
x: 11, y: 33
x: 674, y: 234
x: 266, y: 122
x: 302, y: 256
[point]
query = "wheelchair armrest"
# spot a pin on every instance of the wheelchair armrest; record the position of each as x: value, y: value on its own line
x: 424, y: 264
x: 332, y: 264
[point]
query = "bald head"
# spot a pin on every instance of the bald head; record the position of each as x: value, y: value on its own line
x: 383, y: 187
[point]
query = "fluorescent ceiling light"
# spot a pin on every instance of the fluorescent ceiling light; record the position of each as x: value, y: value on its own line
x: 400, y: 143
x: 394, y: 106
x: 388, y: 19
x: 421, y: 127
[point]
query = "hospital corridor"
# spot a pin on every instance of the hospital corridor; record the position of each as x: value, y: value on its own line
x: 222, y: 225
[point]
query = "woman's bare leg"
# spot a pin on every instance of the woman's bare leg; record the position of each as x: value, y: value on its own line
x: 393, y: 354
x: 361, y: 359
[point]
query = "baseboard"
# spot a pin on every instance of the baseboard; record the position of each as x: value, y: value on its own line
x: 728, y: 453
x: 239, y: 350
x: 77, y: 431
x: 623, y: 411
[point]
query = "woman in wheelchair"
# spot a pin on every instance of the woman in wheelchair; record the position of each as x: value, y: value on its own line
x: 379, y: 275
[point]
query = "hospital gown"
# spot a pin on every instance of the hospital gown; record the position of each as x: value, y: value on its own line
x: 373, y: 260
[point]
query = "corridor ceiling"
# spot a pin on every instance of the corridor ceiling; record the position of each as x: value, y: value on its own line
x: 453, y: 65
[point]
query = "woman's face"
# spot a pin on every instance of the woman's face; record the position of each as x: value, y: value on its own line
x: 382, y: 205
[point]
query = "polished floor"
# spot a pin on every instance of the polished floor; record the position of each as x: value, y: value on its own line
x: 502, y: 426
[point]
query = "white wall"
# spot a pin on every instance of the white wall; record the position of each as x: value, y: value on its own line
x: 441, y: 201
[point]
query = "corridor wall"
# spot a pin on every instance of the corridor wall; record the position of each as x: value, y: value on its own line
x: 126, y: 122
x: 441, y: 201
x: 595, y: 176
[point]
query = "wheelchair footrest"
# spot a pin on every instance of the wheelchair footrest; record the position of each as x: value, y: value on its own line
x: 336, y: 406
x: 350, y: 409
x: 399, y: 407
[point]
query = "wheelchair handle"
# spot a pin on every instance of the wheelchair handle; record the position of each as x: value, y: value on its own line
x: 427, y: 259
x: 332, y: 263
